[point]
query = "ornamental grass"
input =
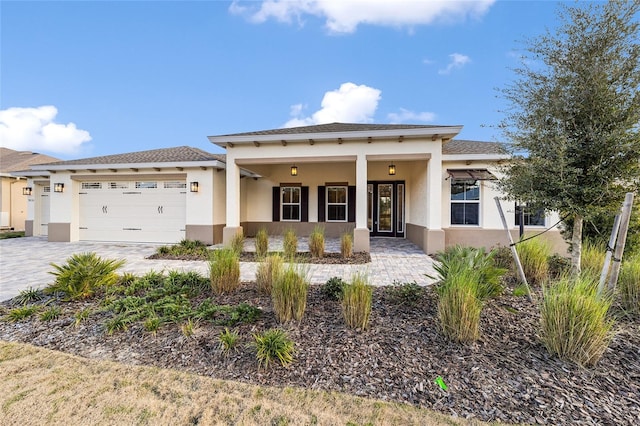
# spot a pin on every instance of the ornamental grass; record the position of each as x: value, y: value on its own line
x: 224, y: 271
x: 534, y: 255
x: 289, y: 293
x: 316, y: 242
x: 346, y: 245
x: 459, y: 307
x: 267, y: 272
x: 290, y: 244
x: 262, y: 243
x: 629, y: 284
x: 356, y: 302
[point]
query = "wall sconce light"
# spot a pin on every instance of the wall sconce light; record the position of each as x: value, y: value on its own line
x: 27, y: 190
x: 392, y: 169
x: 193, y: 186
x: 58, y: 187
x: 294, y: 170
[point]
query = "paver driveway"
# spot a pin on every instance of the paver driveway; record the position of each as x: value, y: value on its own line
x: 25, y: 262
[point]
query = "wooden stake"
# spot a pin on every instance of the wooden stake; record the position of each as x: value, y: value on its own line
x: 622, y: 239
x: 607, y: 258
x: 514, y: 252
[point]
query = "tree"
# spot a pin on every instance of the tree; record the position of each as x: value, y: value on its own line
x: 573, y: 116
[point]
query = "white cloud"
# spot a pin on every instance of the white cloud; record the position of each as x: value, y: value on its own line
x: 406, y: 115
x: 458, y: 60
x: 34, y: 129
x: 348, y: 104
x: 345, y: 16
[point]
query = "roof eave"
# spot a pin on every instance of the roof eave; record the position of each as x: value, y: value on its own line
x: 485, y: 157
x: 173, y: 164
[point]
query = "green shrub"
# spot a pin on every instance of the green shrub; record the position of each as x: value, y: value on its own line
x: 533, y: 256
x: 459, y: 307
x: 83, y: 275
x: 224, y: 271
x: 574, y: 322
x: 29, y: 295
x: 503, y: 258
x: 558, y: 266
x: 408, y: 294
x: 237, y: 243
x: 273, y: 345
x: 289, y: 294
x: 192, y: 248
x: 228, y: 341
x: 268, y: 270
x: 333, y: 289
x: 592, y: 258
x: 356, y: 302
x: 316, y: 242
x: 629, y: 284
x: 346, y: 245
x: 290, y: 244
x: 51, y: 314
x: 23, y: 312
x: 262, y: 243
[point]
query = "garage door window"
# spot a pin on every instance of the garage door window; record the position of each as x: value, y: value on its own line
x: 175, y: 185
x: 91, y: 185
x: 118, y: 185
x: 146, y: 185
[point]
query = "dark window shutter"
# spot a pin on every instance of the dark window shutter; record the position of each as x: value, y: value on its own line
x: 322, y: 193
x: 351, y: 215
x: 304, y: 204
x: 276, y: 204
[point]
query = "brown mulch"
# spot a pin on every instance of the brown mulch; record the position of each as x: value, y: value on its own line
x: 507, y: 376
x: 302, y: 257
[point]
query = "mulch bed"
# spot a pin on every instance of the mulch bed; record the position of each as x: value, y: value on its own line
x: 302, y: 257
x: 507, y: 376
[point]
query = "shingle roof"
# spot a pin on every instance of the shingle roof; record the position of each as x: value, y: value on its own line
x: 456, y: 146
x: 163, y: 155
x: 334, y: 127
x: 13, y: 161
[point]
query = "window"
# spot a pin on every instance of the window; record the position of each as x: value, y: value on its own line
x: 465, y: 202
x: 336, y: 203
x: 290, y: 203
x: 148, y: 185
x: 118, y: 185
x: 532, y: 216
x: 175, y: 185
x: 91, y: 185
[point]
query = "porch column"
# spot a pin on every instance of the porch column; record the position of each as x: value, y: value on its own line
x: 361, y: 232
x: 434, y: 237
x: 233, y: 202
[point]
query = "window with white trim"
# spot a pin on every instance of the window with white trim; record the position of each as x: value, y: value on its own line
x: 91, y: 185
x: 337, y: 199
x: 532, y: 216
x: 465, y: 202
x: 290, y: 203
x: 147, y: 185
x: 175, y: 185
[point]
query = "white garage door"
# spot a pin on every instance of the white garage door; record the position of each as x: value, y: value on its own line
x: 134, y: 211
x: 44, y: 210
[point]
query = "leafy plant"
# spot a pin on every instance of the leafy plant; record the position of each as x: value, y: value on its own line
x: 459, y: 307
x: 290, y: 243
x: 224, y: 271
x: 152, y: 324
x: 186, y: 248
x: 534, y: 255
x: 289, y: 294
x: 189, y: 327
x: 574, y: 321
x: 51, y: 314
x: 356, y: 302
x: 408, y: 294
x: 333, y: 289
x: 29, y: 295
x: 83, y: 275
x: 273, y: 345
x: 268, y: 270
x: 520, y: 290
x: 119, y: 323
x: 262, y: 243
x: 346, y: 245
x: 80, y: 316
x: 228, y: 341
x: 629, y: 284
x: 21, y: 313
x: 316, y: 242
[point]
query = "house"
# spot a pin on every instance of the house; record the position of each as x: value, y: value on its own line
x: 13, y: 204
x: 402, y: 181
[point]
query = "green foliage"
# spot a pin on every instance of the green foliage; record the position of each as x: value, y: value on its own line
x: 592, y: 259
x: 459, y: 307
x: 185, y: 248
x: 346, y: 245
x: 316, y: 242
x: 7, y: 235
x: 521, y: 290
x: 333, y: 289
x: 290, y: 244
x: 50, y: 314
x: 408, y: 294
x: 268, y: 270
x: 228, y: 341
x: 273, y: 345
x: 80, y: 316
x: 152, y: 324
x: 189, y: 327
x: 262, y: 243
x: 21, y: 313
x: 356, y: 302
x: 629, y: 284
x: 237, y: 244
x: 558, y: 266
x: 29, y: 295
x: 83, y: 275
x: 224, y: 271
x: 289, y: 294
x: 534, y: 255
x: 574, y: 321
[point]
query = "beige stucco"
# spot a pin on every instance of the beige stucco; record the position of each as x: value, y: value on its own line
x: 13, y: 205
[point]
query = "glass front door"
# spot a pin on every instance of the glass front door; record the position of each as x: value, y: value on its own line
x: 385, y: 208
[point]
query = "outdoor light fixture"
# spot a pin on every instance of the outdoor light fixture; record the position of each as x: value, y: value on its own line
x: 58, y: 187
x: 294, y: 170
x: 392, y: 169
x: 193, y: 186
x: 26, y: 190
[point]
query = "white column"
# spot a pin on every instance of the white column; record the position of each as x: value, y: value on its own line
x: 361, y: 232
x: 233, y: 201
x: 434, y: 236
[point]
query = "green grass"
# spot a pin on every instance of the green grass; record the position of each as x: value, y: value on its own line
x: 262, y: 243
x: 29, y: 295
x: 272, y: 346
x: 228, y: 341
x: 21, y: 313
x: 346, y: 245
x: 51, y: 314
x: 289, y: 293
x: 592, y: 258
x: 316, y: 242
x: 224, y: 271
x: 534, y: 255
x: 237, y: 244
x: 290, y: 244
x: 356, y: 302
x: 629, y: 284
x: 459, y: 307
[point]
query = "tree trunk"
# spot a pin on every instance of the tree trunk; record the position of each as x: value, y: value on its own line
x: 576, y: 244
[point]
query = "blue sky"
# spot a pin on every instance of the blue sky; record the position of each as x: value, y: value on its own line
x: 82, y: 79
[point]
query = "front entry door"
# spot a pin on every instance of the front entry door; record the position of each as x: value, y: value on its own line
x: 385, y: 208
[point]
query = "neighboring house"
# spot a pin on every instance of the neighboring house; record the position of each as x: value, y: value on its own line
x: 402, y: 181
x: 13, y: 204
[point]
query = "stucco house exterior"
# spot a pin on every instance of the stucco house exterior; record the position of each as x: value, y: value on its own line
x: 13, y: 204
x: 399, y: 181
